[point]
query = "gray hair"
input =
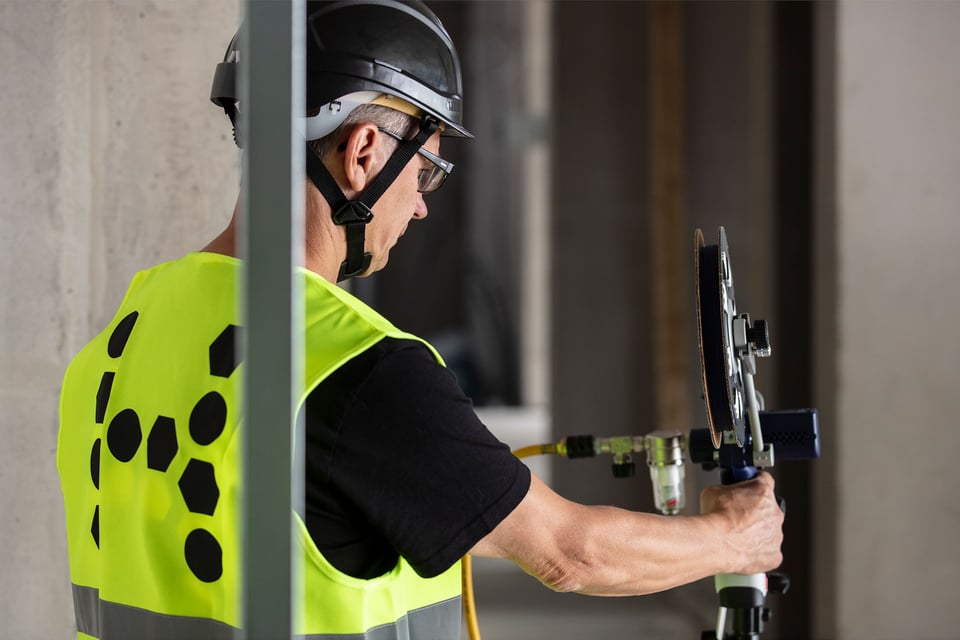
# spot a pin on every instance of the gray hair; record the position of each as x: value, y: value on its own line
x: 385, y: 117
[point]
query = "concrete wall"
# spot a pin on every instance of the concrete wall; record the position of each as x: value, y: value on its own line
x: 111, y: 159
x: 887, y: 498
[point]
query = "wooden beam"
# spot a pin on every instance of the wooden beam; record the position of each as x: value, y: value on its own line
x: 671, y: 242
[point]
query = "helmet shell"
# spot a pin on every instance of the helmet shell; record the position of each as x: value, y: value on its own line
x: 397, y: 47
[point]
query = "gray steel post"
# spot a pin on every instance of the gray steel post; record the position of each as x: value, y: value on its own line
x: 272, y: 90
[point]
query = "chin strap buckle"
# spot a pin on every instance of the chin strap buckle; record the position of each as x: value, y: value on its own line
x: 354, y: 212
x: 354, y: 215
x: 347, y: 272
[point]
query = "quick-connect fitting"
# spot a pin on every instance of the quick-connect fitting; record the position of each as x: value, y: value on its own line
x: 665, y: 458
x: 577, y: 447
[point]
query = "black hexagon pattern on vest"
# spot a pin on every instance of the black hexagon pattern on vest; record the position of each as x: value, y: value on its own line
x: 103, y: 395
x: 120, y: 335
x: 204, y: 555
x: 124, y: 435
x: 95, y: 463
x: 198, y: 485
x: 95, y: 527
x: 208, y: 418
x: 162, y: 444
x: 223, y: 359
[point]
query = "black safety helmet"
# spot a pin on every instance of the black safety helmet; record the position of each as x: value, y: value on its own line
x: 393, y: 47
x: 363, y: 52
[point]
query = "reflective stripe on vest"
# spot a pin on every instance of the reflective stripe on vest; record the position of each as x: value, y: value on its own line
x: 103, y: 619
x: 106, y: 620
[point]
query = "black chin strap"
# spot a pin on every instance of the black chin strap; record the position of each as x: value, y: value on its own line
x: 356, y: 214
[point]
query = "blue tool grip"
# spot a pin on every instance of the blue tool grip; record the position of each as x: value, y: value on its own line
x: 732, y: 475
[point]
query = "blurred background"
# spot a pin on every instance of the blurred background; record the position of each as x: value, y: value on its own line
x: 555, y: 272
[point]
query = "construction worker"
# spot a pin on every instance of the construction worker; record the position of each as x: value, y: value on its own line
x: 401, y: 477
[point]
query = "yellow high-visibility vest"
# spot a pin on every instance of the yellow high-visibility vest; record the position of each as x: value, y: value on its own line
x: 148, y: 456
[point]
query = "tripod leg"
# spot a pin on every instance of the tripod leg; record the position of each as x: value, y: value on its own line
x: 721, y: 622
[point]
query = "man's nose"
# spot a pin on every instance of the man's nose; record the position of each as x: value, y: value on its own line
x: 420, y: 211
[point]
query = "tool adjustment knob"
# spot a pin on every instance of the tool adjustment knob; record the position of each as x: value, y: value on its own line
x: 759, y: 337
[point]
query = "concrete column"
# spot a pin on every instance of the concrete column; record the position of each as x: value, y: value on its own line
x: 112, y: 159
x: 889, y: 522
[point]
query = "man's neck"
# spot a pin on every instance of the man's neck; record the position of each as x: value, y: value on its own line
x: 320, y: 243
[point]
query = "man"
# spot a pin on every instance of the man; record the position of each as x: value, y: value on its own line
x: 401, y: 478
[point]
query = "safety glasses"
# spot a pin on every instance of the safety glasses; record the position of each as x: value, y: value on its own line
x: 432, y: 178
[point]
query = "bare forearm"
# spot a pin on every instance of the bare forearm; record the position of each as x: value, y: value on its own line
x: 610, y: 551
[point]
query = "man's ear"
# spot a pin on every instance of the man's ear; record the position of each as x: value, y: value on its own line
x: 359, y: 161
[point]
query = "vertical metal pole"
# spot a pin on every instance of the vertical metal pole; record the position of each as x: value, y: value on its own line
x: 535, y: 301
x: 271, y: 59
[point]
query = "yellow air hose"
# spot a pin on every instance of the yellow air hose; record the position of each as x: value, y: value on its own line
x: 469, y: 605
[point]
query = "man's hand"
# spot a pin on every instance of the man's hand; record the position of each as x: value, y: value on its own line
x: 754, y: 523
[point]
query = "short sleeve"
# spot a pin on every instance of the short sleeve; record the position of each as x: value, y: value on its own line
x: 401, y: 445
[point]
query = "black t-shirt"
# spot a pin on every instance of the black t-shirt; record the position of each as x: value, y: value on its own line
x: 397, y: 463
